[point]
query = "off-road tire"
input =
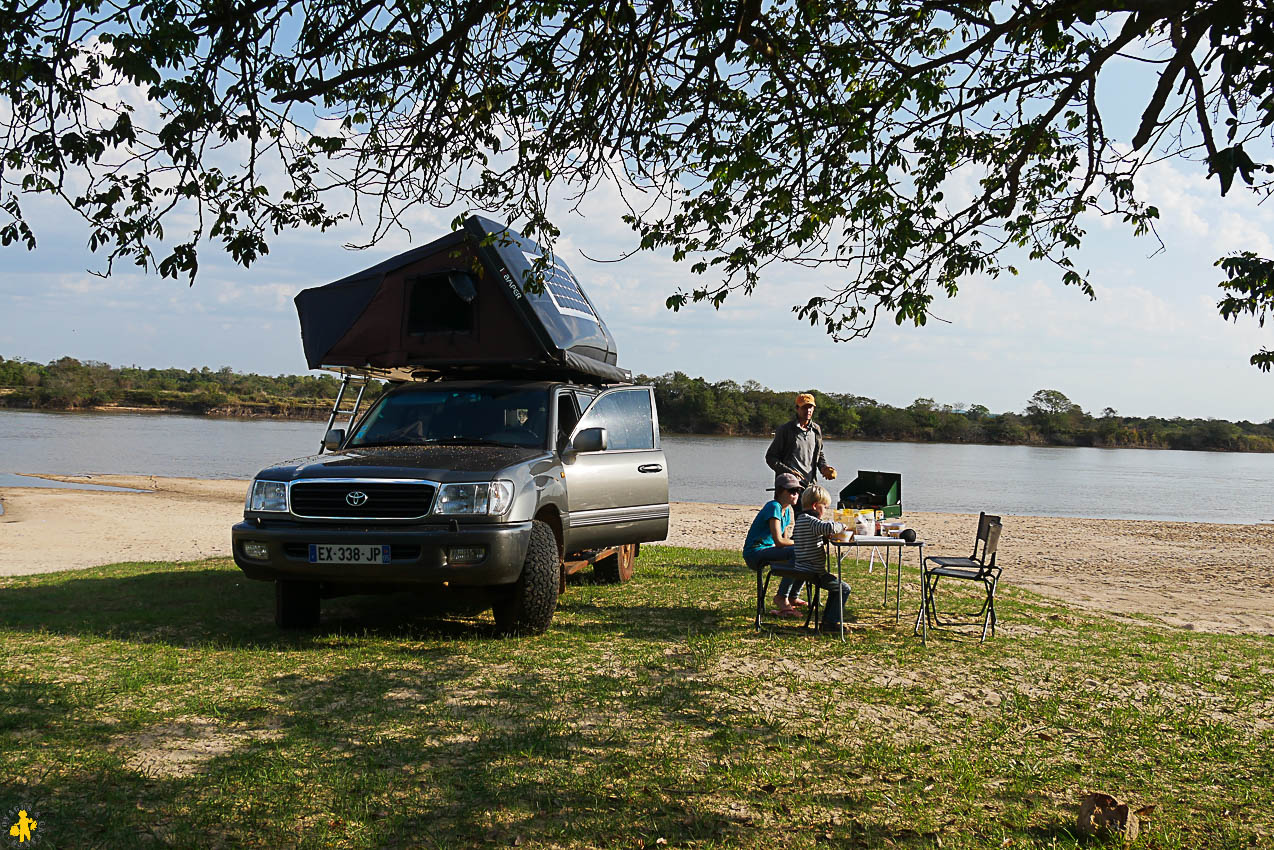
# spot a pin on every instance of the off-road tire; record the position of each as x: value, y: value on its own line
x: 527, y: 606
x: 617, y: 568
x: 296, y: 604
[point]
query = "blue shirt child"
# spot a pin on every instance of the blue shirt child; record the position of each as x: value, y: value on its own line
x: 759, y: 536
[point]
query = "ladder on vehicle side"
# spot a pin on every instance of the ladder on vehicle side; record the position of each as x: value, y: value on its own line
x: 342, y: 408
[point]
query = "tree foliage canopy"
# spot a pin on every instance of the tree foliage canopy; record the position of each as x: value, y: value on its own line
x: 907, y: 143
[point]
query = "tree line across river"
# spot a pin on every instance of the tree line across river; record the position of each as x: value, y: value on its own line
x: 686, y: 406
x: 695, y: 406
x: 70, y: 384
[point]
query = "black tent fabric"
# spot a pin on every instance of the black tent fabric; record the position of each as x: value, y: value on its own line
x: 458, y: 307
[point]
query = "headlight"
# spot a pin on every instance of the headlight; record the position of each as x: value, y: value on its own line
x: 268, y: 496
x: 492, y: 497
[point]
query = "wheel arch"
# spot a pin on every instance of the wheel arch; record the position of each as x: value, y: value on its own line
x: 552, y: 517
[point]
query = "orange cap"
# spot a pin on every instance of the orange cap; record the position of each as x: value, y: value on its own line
x: 804, y: 399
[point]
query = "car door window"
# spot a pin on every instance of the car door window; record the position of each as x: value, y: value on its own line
x: 627, y: 417
x: 567, y: 416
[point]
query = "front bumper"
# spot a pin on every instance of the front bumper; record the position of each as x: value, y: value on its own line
x: 418, y: 553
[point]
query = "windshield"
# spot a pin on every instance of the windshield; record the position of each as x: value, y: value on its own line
x: 492, y: 416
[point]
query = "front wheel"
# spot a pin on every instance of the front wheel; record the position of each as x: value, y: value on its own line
x: 527, y: 606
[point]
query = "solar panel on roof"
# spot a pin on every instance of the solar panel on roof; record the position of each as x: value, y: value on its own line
x: 562, y: 287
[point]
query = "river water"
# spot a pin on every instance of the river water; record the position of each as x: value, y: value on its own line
x: 1014, y: 480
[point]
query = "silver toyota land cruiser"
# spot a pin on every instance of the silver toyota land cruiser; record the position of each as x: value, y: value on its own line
x: 451, y: 487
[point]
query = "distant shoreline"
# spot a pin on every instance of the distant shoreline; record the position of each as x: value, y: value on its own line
x: 225, y: 411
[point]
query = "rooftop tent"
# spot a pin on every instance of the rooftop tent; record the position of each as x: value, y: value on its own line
x: 457, y: 307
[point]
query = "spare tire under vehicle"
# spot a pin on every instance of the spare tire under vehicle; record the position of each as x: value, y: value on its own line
x: 616, y: 568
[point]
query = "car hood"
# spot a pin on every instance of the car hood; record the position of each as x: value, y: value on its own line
x: 436, y: 463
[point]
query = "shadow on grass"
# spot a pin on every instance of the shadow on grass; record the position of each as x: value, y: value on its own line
x: 640, y: 621
x: 382, y: 757
x: 192, y: 605
x: 185, y: 605
x: 519, y: 747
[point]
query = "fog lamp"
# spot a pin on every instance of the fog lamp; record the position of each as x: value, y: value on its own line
x: 459, y: 555
x: 256, y: 551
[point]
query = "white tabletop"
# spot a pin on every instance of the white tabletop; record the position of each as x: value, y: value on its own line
x: 873, y: 540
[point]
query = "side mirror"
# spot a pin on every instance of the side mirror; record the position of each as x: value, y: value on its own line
x: 333, y: 438
x: 590, y: 440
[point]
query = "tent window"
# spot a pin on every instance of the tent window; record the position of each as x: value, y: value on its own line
x: 441, y: 303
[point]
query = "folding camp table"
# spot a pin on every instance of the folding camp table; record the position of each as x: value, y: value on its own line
x: 886, y: 543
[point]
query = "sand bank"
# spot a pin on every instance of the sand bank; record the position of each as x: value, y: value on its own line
x: 1216, y: 578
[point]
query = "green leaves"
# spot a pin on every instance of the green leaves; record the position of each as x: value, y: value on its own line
x: 1250, y: 291
x: 904, y: 144
x: 1225, y: 163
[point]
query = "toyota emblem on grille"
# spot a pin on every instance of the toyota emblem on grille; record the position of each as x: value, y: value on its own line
x: 355, y: 498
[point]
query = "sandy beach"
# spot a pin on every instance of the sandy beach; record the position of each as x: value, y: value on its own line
x: 1207, y: 577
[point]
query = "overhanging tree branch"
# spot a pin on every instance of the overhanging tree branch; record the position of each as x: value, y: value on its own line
x: 825, y: 134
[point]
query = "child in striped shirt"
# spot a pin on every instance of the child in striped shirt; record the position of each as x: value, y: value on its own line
x: 808, y: 535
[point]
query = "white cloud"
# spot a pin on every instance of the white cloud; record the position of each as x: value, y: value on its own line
x: 1180, y: 198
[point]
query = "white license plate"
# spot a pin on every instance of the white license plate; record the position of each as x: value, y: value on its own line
x: 321, y: 553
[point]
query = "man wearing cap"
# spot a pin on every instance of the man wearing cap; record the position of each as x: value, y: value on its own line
x: 798, y: 445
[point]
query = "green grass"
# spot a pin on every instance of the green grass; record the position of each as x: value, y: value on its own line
x: 156, y: 705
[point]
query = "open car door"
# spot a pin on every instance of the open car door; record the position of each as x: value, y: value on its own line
x: 618, y: 493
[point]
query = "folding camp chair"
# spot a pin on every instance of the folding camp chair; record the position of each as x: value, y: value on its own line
x: 812, y: 591
x: 979, y: 567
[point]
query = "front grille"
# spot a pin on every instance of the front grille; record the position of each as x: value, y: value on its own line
x: 330, y: 500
